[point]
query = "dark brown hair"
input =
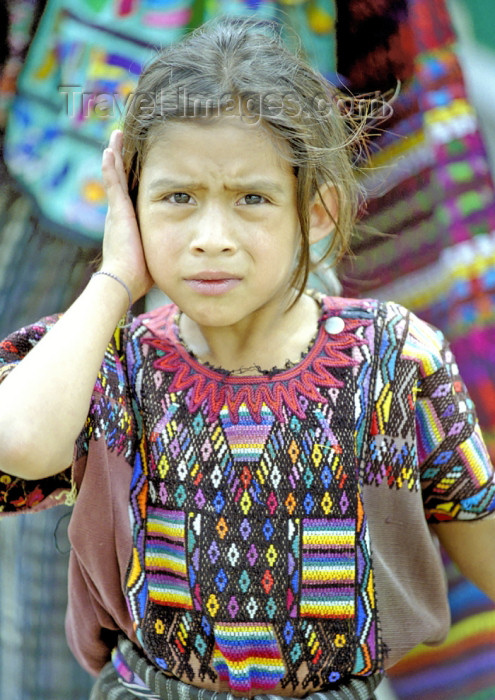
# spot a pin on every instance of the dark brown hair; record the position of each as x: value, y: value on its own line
x: 242, y: 66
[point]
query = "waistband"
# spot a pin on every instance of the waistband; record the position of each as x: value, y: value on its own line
x: 130, y: 675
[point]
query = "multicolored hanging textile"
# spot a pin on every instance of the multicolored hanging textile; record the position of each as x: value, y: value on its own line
x: 19, y: 21
x: 81, y: 69
x: 432, y: 195
x: 375, y: 43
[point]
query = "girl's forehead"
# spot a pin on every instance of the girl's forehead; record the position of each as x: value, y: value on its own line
x: 225, y: 136
x: 205, y: 126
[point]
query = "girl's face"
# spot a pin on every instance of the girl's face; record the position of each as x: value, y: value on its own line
x: 218, y: 219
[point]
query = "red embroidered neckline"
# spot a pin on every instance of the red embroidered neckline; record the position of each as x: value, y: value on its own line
x: 286, y: 390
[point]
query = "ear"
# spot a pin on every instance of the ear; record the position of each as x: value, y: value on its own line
x: 320, y: 223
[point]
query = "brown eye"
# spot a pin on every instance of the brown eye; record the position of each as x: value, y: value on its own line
x: 181, y: 198
x: 253, y: 199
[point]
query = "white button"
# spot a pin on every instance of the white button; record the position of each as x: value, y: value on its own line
x: 334, y: 325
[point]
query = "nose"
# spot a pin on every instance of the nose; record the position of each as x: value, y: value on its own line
x: 213, y: 232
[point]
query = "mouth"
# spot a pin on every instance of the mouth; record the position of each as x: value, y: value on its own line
x: 211, y: 283
x: 213, y: 276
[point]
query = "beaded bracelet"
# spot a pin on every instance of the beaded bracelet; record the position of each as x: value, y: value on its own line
x: 122, y: 323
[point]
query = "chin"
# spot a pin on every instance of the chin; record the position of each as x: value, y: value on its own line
x: 213, y: 320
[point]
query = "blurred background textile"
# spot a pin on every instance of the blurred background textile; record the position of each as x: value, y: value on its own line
x: 432, y: 194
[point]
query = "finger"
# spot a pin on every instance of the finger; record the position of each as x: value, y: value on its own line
x: 113, y: 177
x: 118, y: 198
x: 108, y: 169
x: 116, y: 143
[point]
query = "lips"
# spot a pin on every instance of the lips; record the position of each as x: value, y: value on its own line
x: 211, y: 275
x: 212, y: 283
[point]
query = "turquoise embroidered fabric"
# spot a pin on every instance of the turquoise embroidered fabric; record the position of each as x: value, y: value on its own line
x: 82, y: 69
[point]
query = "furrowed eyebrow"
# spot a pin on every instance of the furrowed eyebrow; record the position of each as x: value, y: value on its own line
x: 175, y: 185
x: 261, y: 185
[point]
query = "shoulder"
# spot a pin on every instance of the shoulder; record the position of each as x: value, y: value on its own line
x: 348, y: 307
x: 419, y: 341
x: 426, y: 346
x: 415, y: 340
x: 159, y: 322
x: 152, y: 332
x: 389, y: 313
x: 19, y: 342
x: 125, y: 346
x: 392, y: 319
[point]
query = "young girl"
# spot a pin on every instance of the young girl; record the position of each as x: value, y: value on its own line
x: 253, y: 467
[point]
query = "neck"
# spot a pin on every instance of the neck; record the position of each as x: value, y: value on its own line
x: 274, y: 340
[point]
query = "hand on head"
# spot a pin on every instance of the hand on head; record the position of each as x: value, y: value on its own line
x: 122, y: 248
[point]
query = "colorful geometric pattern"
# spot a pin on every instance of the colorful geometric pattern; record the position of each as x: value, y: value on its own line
x: 246, y: 471
x: 435, y: 443
x: 248, y: 527
x: 165, y: 558
x: 272, y: 514
x: 390, y: 453
x: 246, y: 656
x: 328, y: 568
x: 290, y: 392
x: 111, y: 405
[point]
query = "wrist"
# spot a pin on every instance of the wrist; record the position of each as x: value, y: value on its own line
x: 137, y: 282
x: 120, y: 281
x: 116, y: 278
x: 117, y: 294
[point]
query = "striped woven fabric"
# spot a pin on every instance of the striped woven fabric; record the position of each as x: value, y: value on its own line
x: 432, y: 194
x: 131, y: 675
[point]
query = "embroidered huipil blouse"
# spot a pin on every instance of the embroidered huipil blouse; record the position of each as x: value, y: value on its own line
x: 266, y: 533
